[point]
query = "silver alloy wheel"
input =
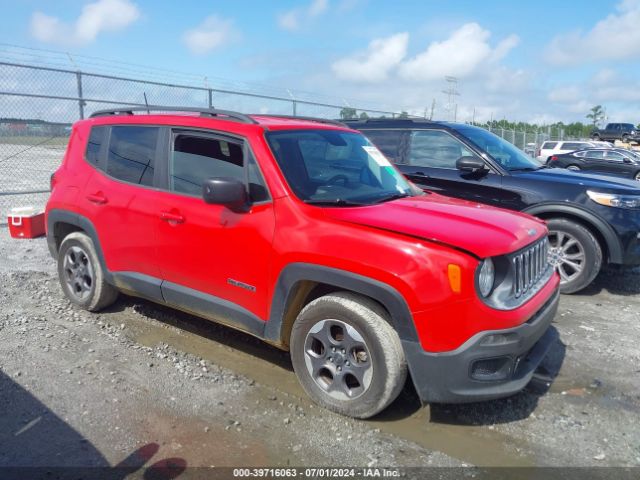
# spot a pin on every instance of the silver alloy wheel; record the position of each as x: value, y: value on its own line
x: 338, y: 359
x: 566, y: 254
x: 573, y: 167
x: 637, y: 177
x: 78, y: 271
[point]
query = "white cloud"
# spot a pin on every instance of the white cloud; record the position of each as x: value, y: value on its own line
x: 374, y: 65
x: 212, y: 33
x: 566, y: 94
x: 293, y: 19
x: 461, y: 55
x: 95, y: 18
x: 616, y: 37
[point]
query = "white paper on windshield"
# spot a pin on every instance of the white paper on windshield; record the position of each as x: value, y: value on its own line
x: 377, y: 155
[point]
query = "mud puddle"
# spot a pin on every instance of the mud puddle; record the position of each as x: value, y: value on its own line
x: 150, y: 325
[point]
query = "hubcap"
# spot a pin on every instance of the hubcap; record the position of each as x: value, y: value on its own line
x: 573, y: 167
x: 78, y: 272
x: 637, y: 177
x: 338, y: 360
x: 566, y: 255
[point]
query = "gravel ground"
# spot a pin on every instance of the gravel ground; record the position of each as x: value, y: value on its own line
x: 141, y: 384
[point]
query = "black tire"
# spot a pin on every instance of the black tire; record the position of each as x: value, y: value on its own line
x: 383, y: 358
x: 93, y: 295
x: 595, y: 136
x: 625, y: 138
x: 636, y: 176
x: 586, y: 243
x: 575, y: 168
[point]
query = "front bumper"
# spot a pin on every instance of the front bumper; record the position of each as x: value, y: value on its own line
x: 491, y: 364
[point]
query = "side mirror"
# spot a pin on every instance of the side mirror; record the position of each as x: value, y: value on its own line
x: 469, y: 164
x: 627, y: 160
x: 226, y: 191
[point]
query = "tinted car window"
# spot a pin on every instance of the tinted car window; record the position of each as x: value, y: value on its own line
x: 131, y: 154
x: 595, y: 154
x: 614, y: 156
x: 96, y: 139
x: 435, y: 148
x: 549, y: 145
x: 196, y: 158
x: 572, y: 145
x: 388, y: 141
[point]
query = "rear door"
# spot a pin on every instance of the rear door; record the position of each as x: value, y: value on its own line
x: 615, y: 163
x: 209, y: 249
x: 120, y: 197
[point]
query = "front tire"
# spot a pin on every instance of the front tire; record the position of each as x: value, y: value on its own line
x: 575, y: 253
x: 347, y: 356
x: 81, y: 275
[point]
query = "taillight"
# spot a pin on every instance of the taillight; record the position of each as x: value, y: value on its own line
x: 52, y: 181
x: 553, y: 159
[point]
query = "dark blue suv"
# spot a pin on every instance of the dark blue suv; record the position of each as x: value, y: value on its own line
x: 593, y: 220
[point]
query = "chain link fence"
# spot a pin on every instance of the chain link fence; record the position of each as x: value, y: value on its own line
x: 38, y: 105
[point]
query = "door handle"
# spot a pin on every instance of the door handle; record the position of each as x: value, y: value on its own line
x: 97, y: 198
x: 172, y: 217
x: 420, y: 174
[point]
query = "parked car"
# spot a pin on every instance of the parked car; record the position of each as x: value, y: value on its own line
x: 593, y: 220
x: 611, y: 161
x: 301, y: 233
x: 550, y: 148
x: 625, y: 132
x: 601, y: 144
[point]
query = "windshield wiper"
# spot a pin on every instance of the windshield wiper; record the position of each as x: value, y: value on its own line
x: 393, y: 196
x: 338, y: 202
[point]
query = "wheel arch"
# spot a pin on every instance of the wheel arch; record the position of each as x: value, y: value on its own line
x: 300, y: 283
x: 62, y: 222
x: 605, y: 235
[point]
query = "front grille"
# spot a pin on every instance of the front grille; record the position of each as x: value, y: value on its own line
x: 529, y: 266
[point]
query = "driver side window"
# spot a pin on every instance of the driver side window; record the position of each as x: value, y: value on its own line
x: 435, y: 149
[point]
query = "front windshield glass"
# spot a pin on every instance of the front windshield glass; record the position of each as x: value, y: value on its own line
x: 336, y: 168
x: 506, y: 154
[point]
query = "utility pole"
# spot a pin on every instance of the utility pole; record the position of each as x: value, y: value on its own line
x: 451, y: 92
x: 433, y: 107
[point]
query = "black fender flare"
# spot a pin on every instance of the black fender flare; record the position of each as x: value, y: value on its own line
x: 602, y: 227
x: 83, y: 223
x: 387, y: 296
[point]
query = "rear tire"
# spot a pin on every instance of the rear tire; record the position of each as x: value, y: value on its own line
x: 595, y: 137
x: 81, y: 275
x: 637, y: 176
x: 574, y: 168
x: 347, y: 356
x: 575, y: 253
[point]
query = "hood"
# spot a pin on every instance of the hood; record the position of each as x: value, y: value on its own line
x: 600, y: 182
x: 479, y: 229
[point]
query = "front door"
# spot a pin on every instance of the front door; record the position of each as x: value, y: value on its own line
x: 210, y: 249
x: 431, y: 163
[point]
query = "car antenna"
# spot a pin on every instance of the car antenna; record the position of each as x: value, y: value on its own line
x: 146, y: 103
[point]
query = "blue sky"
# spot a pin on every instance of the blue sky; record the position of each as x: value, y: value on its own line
x: 536, y: 61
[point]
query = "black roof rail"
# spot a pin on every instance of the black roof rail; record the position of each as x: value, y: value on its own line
x: 388, y: 119
x: 309, y: 119
x: 204, y: 112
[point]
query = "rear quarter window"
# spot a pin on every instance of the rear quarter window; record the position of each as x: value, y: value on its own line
x: 572, y: 146
x: 549, y: 145
x: 94, y: 144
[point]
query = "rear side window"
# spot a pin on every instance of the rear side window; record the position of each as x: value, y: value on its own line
x: 131, y: 154
x: 595, y: 154
x: 572, y: 146
x: 387, y: 141
x: 94, y: 145
x: 196, y: 158
x: 549, y: 145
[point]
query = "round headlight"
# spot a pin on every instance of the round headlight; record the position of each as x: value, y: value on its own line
x: 486, y: 276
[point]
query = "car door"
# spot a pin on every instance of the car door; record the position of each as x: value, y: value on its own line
x: 209, y: 254
x: 430, y: 162
x: 120, y: 196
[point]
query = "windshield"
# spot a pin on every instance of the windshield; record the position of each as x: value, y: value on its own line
x: 336, y: 168
x: 506, y: 154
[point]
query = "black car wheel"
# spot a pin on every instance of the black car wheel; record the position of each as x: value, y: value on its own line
x: 637, y: 176
x: 574, y: 252
x: 625, y: 138
x: 575, y: 168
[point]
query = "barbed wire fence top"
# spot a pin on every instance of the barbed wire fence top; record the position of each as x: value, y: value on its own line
x: 39, y: 103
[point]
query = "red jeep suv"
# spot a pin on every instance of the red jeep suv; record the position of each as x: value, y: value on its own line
x: 301, y: 233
